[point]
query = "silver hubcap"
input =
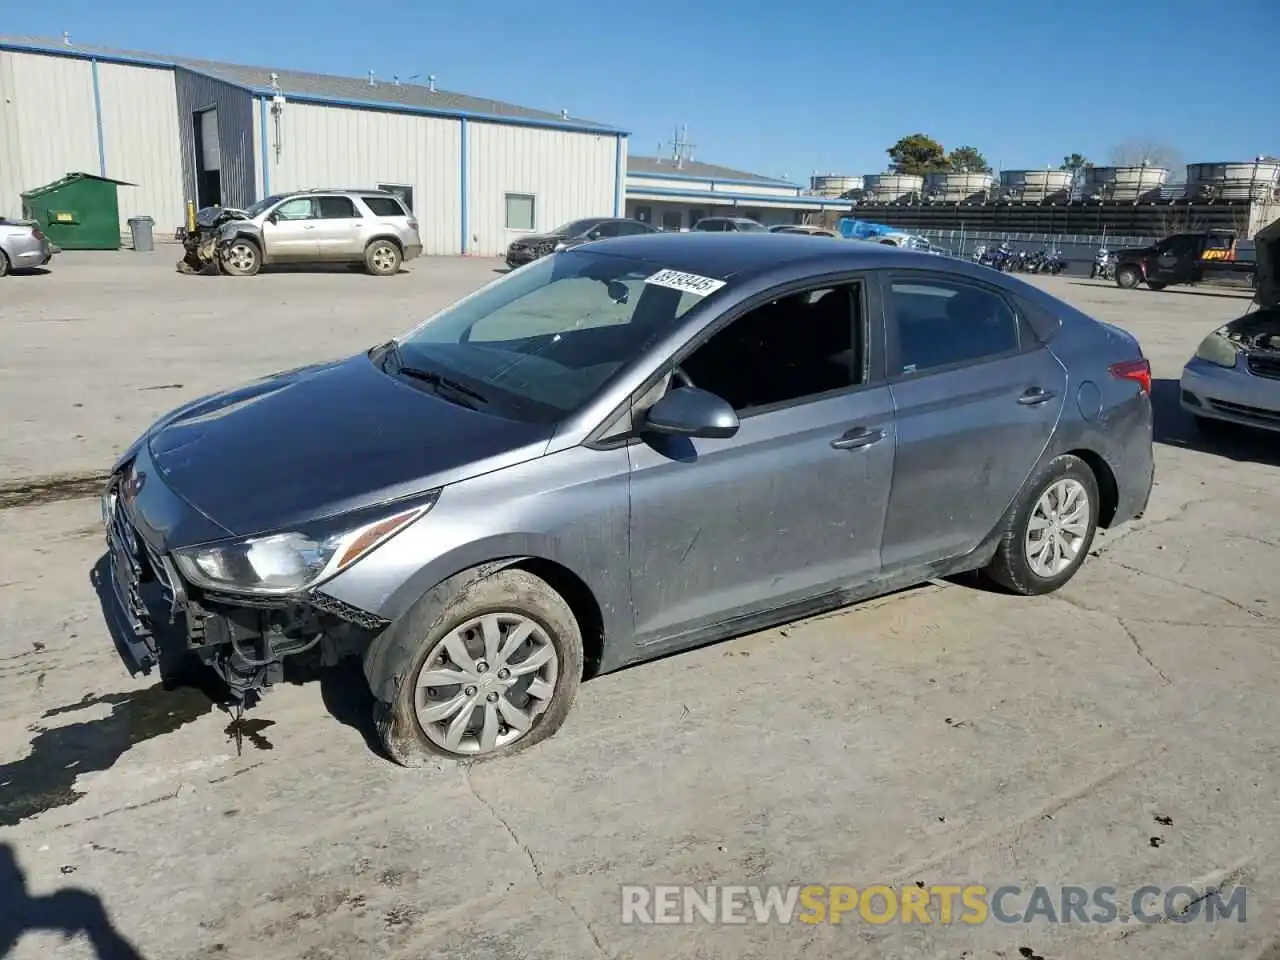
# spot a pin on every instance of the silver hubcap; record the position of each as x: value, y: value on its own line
x: 1057, y: 528
x: 384, y: 259
x: 241, y: 256
x: 483, y: 685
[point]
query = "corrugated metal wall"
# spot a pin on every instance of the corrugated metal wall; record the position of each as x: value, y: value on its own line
x: 376, y: 147
x: 48, y: 123
x: 569, y: 175
x: 236, y: 117
x: 140, y: 141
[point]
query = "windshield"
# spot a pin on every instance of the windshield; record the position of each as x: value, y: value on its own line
x: 575, y: 227
x: 750, y: 226
x: 262, y: 206
x: 542, y: 341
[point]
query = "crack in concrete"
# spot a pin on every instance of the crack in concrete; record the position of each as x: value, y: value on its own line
x: 538, y: 874
x: 34, y: 491
x: 1137, y: 645
x: 1235, y: 604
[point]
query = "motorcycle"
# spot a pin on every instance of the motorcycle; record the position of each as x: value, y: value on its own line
x: 1104, y: 265
x: 1053, y: 263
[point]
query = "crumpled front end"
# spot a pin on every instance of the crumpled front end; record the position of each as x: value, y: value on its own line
x: 161, y: 618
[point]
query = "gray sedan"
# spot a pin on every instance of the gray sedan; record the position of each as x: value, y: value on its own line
x: 620, y: 451
x: 1234, y: 377
x: 23, y: 246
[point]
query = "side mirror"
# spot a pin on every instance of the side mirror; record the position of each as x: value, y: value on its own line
x: 690, y: 412
x: 273, y: 217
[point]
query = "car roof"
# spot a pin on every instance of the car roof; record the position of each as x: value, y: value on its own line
x: 743, y: 255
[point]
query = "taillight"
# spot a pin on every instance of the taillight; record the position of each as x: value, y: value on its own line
x: 37, y: 233
x: 1139, y: 371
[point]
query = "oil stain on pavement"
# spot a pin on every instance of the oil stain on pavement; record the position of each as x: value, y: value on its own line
x: 46, y: 777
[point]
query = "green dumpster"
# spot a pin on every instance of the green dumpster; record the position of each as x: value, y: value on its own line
x: 79, y: 212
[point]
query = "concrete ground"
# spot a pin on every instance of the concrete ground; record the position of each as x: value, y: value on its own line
x: 1123, y: 732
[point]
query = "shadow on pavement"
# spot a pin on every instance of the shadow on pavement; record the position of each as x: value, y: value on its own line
x: 69, y: 911
x: 1175, y: 427
x: 1232, y: 293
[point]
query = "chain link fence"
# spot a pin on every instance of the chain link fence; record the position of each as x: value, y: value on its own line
x: 1077, y: 249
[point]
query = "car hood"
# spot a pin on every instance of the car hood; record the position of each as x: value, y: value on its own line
x: 536, y: 238
x: 1267, y: 245
x: 1258, y: 331
x: 323, y: 440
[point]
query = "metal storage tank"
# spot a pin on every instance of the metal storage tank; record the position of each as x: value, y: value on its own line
x: 1245, y: 180
x: 956, y: 187
x: 888, y: 187
x: 834, y: 184
x: 1036, y: 185
x: 1124, y: 183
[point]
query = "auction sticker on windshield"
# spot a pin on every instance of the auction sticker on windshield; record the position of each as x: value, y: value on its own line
x: 685, y: 282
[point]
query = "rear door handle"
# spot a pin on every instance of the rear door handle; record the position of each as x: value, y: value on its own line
x: 1035, y: 395
x: 857, y: 438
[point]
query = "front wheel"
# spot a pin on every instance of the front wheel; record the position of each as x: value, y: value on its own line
x: 382, y: 258
x: 1128, y: 277
x: 4, y: 264
x: 1048, y: 531
x: 495, y: 670
x: 241, y: 258
x: 1155, y: 285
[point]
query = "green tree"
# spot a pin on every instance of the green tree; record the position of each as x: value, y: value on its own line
x: 1075, y: 162
x: 918, y: 154
x: 967, y: 160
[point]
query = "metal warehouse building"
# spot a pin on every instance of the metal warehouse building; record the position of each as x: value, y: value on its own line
x: 476, y: 172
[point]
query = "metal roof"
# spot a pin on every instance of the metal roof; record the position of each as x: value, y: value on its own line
x: 383, y: 93
x: 696, y: 170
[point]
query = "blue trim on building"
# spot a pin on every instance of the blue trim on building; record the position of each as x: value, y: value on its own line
x: 382, y: 105
x: 74, y: 54
x: 650, y: 175
x: 741, y: 199
x: 619, y: 179
x: 465, y: 187
x: 97, y: 115
x: 266, y: 149
x: 566, y: 125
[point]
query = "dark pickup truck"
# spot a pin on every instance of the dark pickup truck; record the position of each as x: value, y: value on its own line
x: 1186, y: 258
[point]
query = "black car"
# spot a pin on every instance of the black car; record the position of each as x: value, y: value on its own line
x: 530, y: 248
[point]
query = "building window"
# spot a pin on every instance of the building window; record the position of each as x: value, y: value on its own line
x: 400, y: 190
x: 644, y: 214
x: 519, y: 211
x: 672, y: 220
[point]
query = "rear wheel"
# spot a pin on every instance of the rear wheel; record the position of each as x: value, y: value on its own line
x: 382, y: 258
x: 495, y: 669
x: 4, y: 264
x: 1155, y: 285
x: 1048, y: 531
x: 241, y: 258
x: 1128, y: 277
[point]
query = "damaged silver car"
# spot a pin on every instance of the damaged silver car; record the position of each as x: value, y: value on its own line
x: 1234, y: 377
x: 619, y: 451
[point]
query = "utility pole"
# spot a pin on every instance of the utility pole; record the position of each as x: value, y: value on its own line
x: 681, y: 148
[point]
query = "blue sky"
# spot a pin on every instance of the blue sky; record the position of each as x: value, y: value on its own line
x: 774, y: 89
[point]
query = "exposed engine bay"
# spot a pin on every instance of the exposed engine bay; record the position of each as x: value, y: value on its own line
x: 244, y: 640
x: 206, y: 235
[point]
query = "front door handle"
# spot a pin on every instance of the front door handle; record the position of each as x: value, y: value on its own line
x: 857, y: 438
x: 1035, y: 395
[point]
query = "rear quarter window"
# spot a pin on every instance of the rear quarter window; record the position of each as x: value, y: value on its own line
x: 1043, y: 324
x: 384, y: 206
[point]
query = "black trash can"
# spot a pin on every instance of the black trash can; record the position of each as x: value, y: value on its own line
x: 142, y: 230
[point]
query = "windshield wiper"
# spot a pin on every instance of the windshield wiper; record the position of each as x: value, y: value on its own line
x: 441, y: 382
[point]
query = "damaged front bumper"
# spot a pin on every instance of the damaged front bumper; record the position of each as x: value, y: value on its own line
x: 160, y: 619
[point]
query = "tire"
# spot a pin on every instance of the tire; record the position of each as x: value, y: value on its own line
x: 1128, y: 277
x: 4, y: 264
x: 1012, y: 567
x: 1155, y: 285
x: 444, y: 616
x: 242, y: 258
x: 382, y: 258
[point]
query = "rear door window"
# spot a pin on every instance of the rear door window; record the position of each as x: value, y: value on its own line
x: 337, y: 208
x: 945, y: 323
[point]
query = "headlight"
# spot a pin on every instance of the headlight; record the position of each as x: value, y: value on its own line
x: 1216, y: 348
x: 559, y: 246
x: 285, y: 563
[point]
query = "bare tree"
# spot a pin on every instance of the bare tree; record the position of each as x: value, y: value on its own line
x: 1137, y: 151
